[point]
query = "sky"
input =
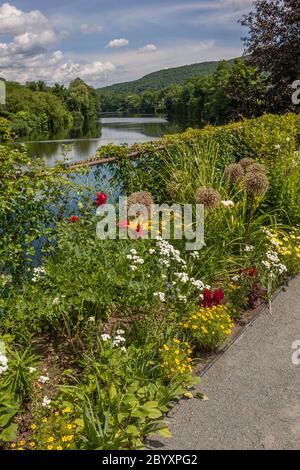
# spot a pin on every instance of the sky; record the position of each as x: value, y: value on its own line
x: 112, y: 41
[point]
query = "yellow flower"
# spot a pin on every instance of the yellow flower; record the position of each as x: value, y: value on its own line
x: 56, y: 413
x: 59, y: 448
x: 32, y: 444
x: 33, y: 426
x: 22, y: 443
x: 44, y: 420
x: 49, y: 447
x: 166, y: 347
x: 69, y: 426
x: 67, y: 410
x: 50, y: 439
x: 13, y: 445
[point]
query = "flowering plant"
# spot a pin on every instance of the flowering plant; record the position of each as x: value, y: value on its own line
x: 55, y: 430
x: 176, y: 359
x: 101, y: 199
x: 287, y: 245
x: 209, y: 326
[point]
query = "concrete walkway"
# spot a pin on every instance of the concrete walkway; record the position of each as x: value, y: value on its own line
x: 253, y: 389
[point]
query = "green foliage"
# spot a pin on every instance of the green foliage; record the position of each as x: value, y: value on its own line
x: 30, y: 203
x: 5, y: 130
x: 123, y: 397
x: 269, y: 139
x: 36, y: 109
x: 18, y: 382
x: 9, y: 406
x: 231, y: 91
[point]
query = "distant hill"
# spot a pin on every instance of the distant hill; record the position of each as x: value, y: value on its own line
x: 163, y: 78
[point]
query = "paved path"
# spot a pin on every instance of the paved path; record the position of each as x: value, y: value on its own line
x: 253, y: 389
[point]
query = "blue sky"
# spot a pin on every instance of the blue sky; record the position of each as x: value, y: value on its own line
x: 112, y: 41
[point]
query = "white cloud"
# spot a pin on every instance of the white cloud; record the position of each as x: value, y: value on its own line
x: 118, y: 43
x: 14, y: 21
x: 147, y: 48
x: 28, y: 56
x: 32, y: 51
x: 56, y: 70
x: 91, y: 28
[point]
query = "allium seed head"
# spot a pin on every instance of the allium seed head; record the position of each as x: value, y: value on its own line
x: 256, y: 183
x: 245, y: 162
x: 234, y: 172
x: 209, y: 197
x: 143, y: 198
x: 257, y: 168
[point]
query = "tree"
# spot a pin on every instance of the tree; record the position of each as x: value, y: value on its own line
x: 247, y: 91
x: 274, y: 47
x: 83, y: 100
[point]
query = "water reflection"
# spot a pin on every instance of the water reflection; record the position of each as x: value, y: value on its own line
x: 110, y: 129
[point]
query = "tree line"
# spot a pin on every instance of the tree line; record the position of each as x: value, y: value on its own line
x: 232, y: 91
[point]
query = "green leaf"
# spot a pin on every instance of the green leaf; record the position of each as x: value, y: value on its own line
x: 165, y: 432
x: 6, y: 415
x: 9, y: 433
x: 154, y: 413
x: 131, y: 429
x: 151, y: 404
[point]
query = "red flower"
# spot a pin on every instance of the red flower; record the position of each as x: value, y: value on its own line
x: 101, y: 199
x: 207, y: 298
x: 218, y: 296
x: 211, y: 298
x: 73, y: 218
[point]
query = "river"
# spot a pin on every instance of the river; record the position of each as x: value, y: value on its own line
x: 111, y: 129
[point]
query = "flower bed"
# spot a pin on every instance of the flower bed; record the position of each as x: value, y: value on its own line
x: 99, y: 339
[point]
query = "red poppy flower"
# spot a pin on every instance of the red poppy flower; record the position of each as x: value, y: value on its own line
x: 73, y: 218
x: 101, y: 199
